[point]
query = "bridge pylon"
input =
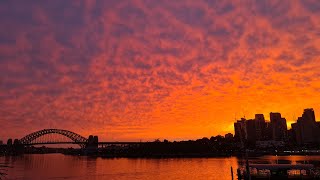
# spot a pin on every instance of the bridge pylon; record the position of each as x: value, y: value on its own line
x: 92, y: 145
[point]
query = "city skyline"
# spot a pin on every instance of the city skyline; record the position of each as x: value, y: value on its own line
x: 258, y: 118
x: 131, y: 70
x: 258, y: 132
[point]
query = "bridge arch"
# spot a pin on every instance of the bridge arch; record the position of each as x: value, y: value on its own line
x: 76, y: 138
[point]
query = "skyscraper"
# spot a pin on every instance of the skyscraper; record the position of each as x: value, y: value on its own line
x: 268, y: 132
x: 308, y: 115
x: 260, y: 127
x: 240, y: 132
x: 251, y: 131
x: 306, y: 130
x: 296, y: 132
x: 245, y: 131
x: 279, y: 127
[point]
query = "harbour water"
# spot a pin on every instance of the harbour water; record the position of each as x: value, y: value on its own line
x: 59, y: 166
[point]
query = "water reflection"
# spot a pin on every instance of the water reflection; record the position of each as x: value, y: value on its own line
x: 287, y: 160
x: 58, y: 166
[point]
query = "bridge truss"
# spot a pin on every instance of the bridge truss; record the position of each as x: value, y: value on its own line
x: 38, y: 138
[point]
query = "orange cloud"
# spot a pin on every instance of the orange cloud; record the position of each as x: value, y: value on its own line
x: 131, y: 70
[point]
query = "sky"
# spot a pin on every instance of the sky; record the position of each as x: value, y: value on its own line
x: 142, y: 70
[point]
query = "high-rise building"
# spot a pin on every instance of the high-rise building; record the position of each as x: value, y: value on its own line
x: 308, y: 115
x: 306, y: 129
x: 245, y: 131
x: 251, y: 131
x: 296, y: 132
x: 240, y: 132
x: 248, y: 132
x: 260, y: 127
x: 268, y: 132
x: 279, y: 127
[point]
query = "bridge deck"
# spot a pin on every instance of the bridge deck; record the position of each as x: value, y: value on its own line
x: 99, y: 143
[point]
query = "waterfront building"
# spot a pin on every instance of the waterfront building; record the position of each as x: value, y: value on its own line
x: 306, y: 130
x: 296, y: 133
x: 279, y: 127
x: 240, y: 132
x: 268, y: 132
x: 245, y: 131
x: 257, y: 129
x: 251, y: 131
x: 260, y: 127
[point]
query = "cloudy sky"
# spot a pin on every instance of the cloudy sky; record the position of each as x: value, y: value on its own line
x: 131, y: 70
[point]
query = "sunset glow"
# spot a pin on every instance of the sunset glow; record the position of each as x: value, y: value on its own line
x: 142, y: 70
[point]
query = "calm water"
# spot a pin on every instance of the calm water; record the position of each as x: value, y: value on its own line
x: 58, y: 166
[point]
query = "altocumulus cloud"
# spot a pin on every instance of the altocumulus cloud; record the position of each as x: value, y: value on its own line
x: 171, y: 69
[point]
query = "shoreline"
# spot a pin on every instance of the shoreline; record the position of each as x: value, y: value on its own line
x: 194, y: 155
x: 162, y: 156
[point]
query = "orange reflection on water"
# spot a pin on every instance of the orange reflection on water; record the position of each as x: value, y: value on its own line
x: 59, y: 166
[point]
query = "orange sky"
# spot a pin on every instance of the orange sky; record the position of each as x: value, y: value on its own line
x: 141, y: 70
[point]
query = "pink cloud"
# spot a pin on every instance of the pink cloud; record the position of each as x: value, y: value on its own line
x: 131, y: 69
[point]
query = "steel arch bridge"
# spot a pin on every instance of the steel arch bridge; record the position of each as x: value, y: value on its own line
x: 30, y: 139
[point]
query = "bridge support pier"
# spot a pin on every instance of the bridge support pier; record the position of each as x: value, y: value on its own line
x: 92, y: 145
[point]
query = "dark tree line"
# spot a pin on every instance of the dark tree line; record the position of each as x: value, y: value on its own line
x: 215, y: 146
